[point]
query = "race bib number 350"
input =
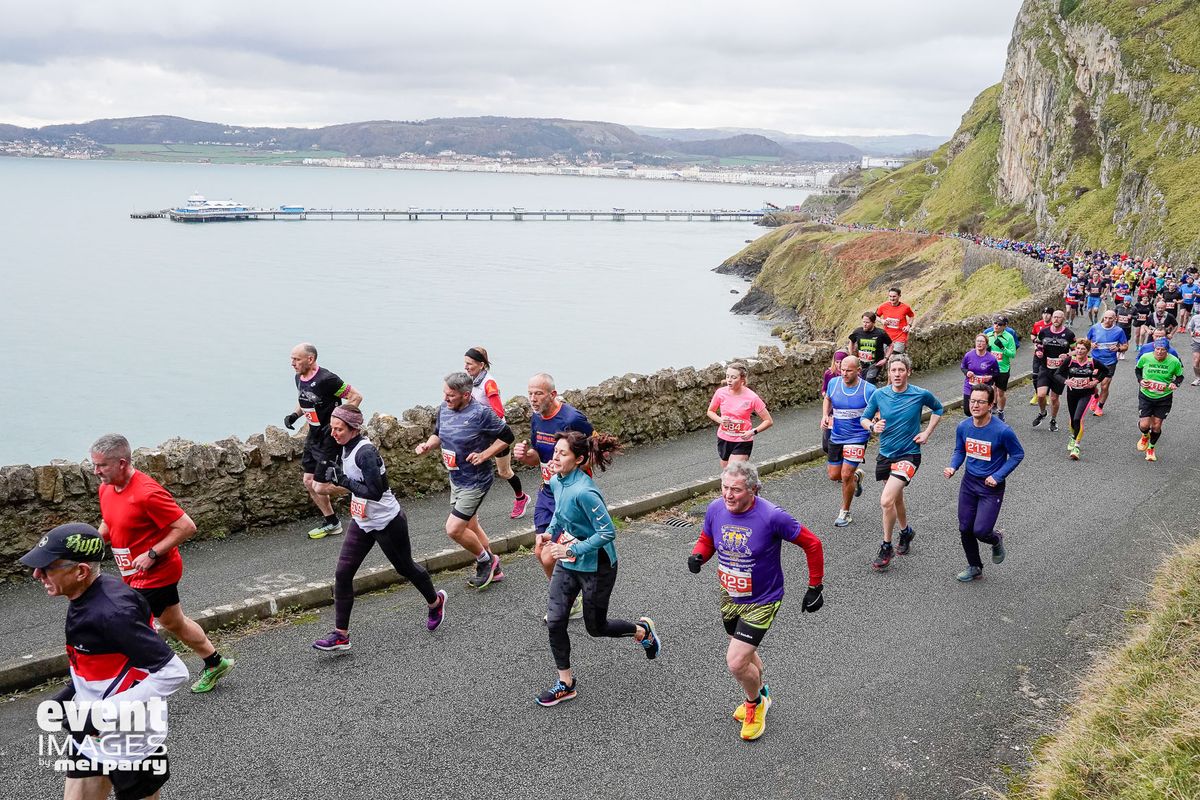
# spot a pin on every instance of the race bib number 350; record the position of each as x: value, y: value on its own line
x: 854, y: 452
x: 736, y: 582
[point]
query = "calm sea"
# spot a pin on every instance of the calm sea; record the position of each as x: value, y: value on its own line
x: 157, y: 329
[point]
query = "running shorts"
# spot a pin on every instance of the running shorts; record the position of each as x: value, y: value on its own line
x: 899, y: 347
x: 1154, y: 408
x: 748, y: 622
x: 726, y: 449
x: 1093, y: 302
x: 318, y: 447
x: 1001, y: 381
x: 1187, y: 307
x: 543, y: 509
x: 160, y: 598
x: 465, y: 503
x: 903, y: 467
x: 846, y: 453
x: 1049, y: 378
x: 1195, y: 346
x: 1128, y: 328
x: 132, y: 784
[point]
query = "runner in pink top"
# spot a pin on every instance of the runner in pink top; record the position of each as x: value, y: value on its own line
x: 731, y: 408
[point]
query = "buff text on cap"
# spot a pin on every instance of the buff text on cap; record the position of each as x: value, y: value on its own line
x: 75, y: 541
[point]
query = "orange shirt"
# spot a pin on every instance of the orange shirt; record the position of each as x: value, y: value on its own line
x: 894, y: 319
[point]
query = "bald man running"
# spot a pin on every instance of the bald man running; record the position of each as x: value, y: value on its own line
x: 320, y: 393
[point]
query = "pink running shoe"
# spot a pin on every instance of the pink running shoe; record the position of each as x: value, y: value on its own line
x: 519, y: 505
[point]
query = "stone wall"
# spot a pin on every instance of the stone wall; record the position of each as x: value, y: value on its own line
x: 232, y: 485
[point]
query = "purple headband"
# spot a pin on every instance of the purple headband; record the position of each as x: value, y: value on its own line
x: 350, y: 416
x: 839, y: 355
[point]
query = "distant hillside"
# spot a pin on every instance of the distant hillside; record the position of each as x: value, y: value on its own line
x: 483, y: 136
x: 895, y: 145
x: 1092, y: 137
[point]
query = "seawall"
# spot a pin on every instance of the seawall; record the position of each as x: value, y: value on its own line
x: 233, y: 485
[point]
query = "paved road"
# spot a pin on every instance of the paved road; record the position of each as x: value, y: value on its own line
x: 907, y: 685
x: 270, y: 559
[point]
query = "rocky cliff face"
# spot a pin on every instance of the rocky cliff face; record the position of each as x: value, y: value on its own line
x: 1096, y: 135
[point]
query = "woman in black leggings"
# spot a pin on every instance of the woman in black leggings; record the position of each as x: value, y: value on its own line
x: 1082, y: 375
x: 375, y: 516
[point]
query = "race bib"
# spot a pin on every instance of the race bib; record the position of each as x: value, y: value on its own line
x: 854, y: 452
x: 547, y: 472
x: 449, y: 459
x: 1157, y: 386
x: 1055, y: 362
x: 566, y: 540
x: 310, y: 414
x: 891, y: 323
x: 904, y: 469
x: 978, y: 449
x: 736, y: 582
x: 848, y: 413
x: 735, y: 426
x: 1078, y: 383
x: 124, y: 561
x: 358, y: 508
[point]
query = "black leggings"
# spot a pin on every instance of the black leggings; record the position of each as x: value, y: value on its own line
x: 565, y: 585
x: 1077, y: 403
x: 393, y: 541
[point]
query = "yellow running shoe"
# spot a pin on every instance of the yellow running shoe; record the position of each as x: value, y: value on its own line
x: 1033, y: 400
x: 739, y: 713
x: 755, y: 722
x: 1144, y: 442
x: 1150, y: 454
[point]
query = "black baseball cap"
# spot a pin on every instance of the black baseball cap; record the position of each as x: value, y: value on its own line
x: 76, y: 541
x: 1048, y: 310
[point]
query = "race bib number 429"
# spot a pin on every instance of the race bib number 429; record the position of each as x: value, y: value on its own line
x: 736, y: 582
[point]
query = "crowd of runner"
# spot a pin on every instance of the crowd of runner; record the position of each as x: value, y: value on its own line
x: 1127, y: 303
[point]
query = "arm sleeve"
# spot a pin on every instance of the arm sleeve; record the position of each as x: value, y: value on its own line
x: 1016, y: 454
x: 492, y: 390
x: 704, y: 548
x: 960, y: 450
x: 814, y: 553
x: 602, y: 524
x: 935, y: 405
x: 161, y: 507
x: 373, y: 484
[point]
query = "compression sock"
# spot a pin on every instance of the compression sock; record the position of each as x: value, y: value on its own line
x: 515, y: 483
x: 331, y: 519
x: 213, y: 661
x: 1154, y: 437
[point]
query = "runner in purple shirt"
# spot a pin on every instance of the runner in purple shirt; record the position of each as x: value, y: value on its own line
x: 980, y: 367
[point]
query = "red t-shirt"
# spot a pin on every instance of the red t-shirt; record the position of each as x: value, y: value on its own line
x: 893, y: 319
x: 137, y: 517
x: 1039, y: 326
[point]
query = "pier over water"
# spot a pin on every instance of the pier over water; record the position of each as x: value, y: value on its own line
x: 293, y: 213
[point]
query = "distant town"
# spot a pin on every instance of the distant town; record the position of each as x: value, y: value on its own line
x: 743, y: 171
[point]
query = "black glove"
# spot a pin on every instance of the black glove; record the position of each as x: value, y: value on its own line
x: 290, y: 420
x: 814, y: 598
x: 695, y: 562
x: 333, y: 474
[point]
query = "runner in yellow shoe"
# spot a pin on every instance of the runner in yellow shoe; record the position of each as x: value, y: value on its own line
x: 745, y: 533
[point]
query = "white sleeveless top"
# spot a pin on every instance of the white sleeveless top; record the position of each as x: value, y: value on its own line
x: 371, y: 515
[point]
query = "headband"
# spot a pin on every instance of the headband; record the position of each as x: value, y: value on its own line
x: 475, y: 355
x: 349, y: 416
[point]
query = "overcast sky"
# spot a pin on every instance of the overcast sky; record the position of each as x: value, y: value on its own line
x: 856, y: 67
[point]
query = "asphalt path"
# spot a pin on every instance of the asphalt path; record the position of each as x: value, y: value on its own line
x: 906, y: 685
x: 270, y: 559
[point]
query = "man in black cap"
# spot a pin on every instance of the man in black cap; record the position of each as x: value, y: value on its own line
x: 116, y: 659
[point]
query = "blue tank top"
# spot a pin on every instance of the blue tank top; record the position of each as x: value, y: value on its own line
x: 848, y: 406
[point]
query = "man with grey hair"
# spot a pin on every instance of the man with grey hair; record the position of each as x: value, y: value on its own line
x: 469, y: 434
x: 320, y: 392
x: 746, y: 532
x: 550, y: 416
x: 144, y: 527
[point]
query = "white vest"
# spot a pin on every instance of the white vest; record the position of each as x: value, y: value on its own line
x: 371, y: 515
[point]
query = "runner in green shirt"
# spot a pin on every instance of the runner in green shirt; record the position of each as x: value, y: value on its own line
x: 1004, y: 346
x: 1159, y: 374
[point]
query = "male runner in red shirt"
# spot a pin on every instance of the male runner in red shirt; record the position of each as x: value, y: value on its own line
x: 896, y: 319
x: 144, y: 527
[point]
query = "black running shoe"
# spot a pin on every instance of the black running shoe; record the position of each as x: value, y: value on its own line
x: 906, y: 537
x: 880, y: 564
x: 484, y: 573
x: 1053, y: 425
x: 1038, y: 419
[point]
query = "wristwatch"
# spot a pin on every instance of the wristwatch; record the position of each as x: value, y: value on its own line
x: 153, y: 555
